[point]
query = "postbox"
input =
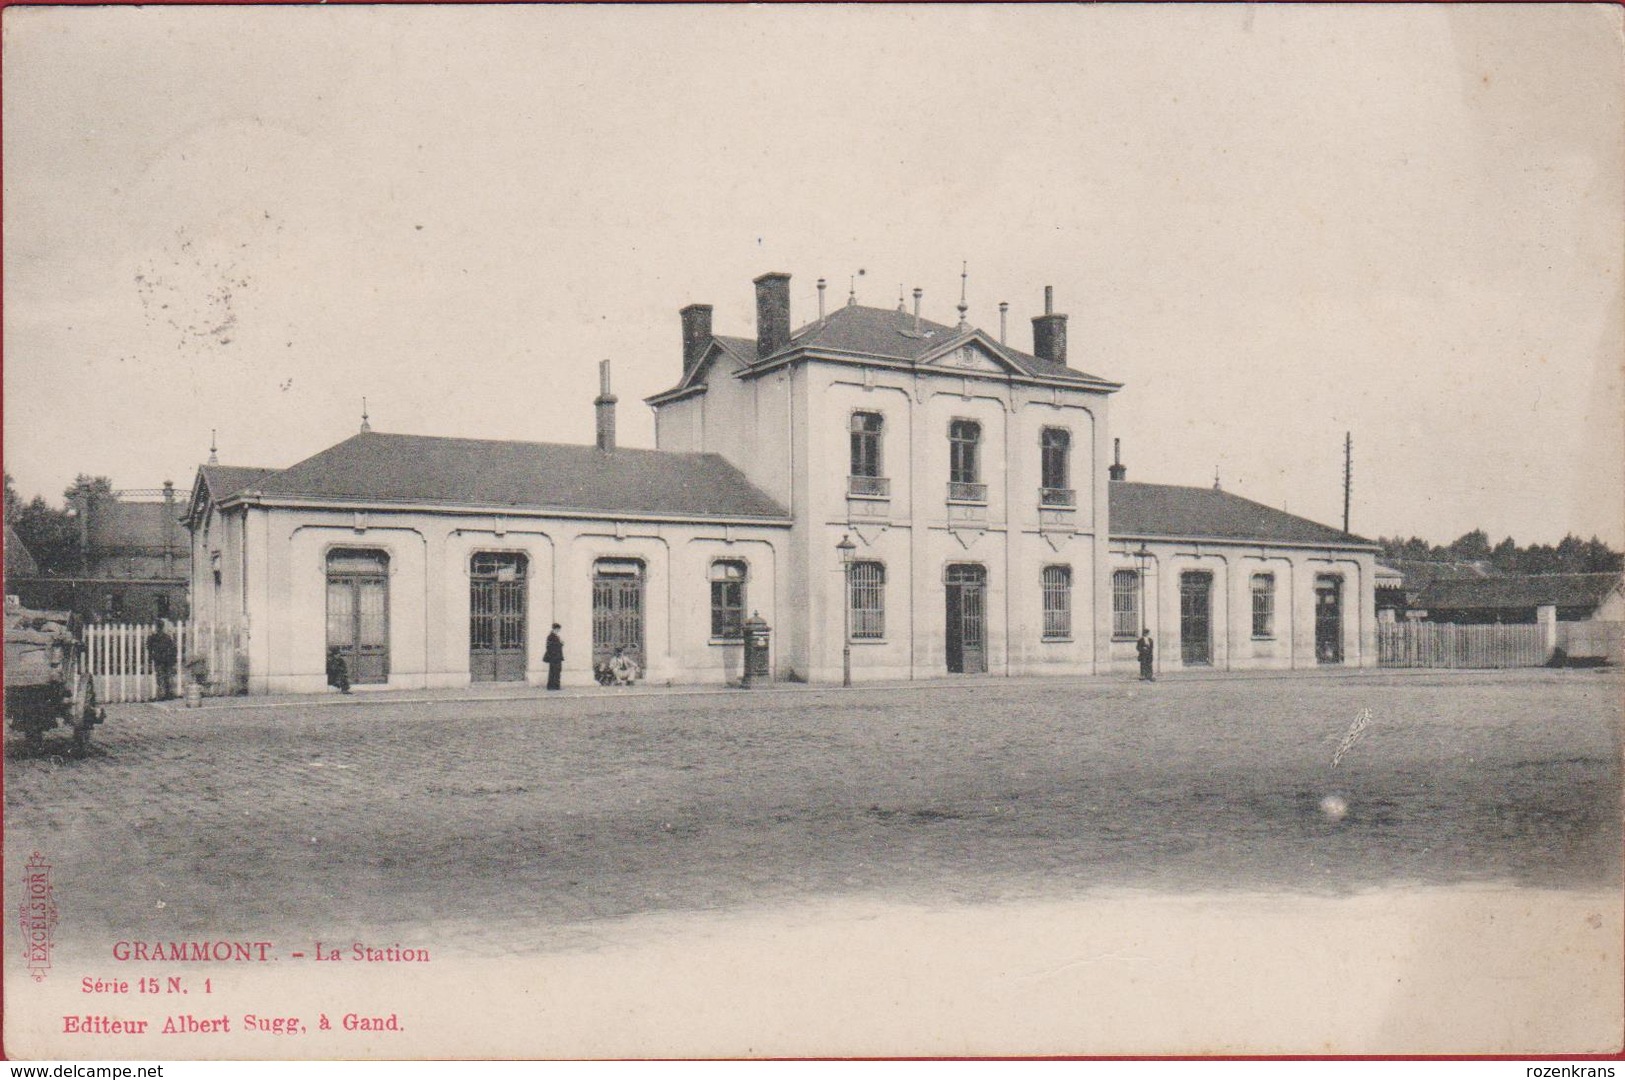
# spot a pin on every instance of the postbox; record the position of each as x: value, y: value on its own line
x: 758, y: 652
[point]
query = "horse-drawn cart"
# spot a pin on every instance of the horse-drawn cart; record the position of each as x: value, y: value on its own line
x: 47, y: 680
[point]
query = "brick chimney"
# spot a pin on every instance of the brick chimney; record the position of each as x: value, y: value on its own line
x: 1118, y: 471
x: 696, y: 334
x: 604, y: 403
x: 772, y: 313
x: 1049, y: 331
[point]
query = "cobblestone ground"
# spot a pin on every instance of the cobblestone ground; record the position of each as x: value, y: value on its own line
x: 502, y: 822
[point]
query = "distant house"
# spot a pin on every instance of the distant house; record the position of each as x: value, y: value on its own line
x: 135, y: 556
x: 1391, y: 599
x: 1518, y: 598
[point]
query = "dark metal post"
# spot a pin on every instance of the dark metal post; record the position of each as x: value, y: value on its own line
x: 846, y: 547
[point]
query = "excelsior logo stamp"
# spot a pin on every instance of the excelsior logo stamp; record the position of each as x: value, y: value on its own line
x: 38, y: 916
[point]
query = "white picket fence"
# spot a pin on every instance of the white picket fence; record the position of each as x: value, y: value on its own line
x: 116, y: 654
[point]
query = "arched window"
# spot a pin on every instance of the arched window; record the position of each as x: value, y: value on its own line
x: 964, y: 462
x: 868, y: 600
x: 1057, y: 602
x: 1055, y: 450
x: 728, y: 599
x: 866, y: 431
x: 1125, y: 604
x: 1263, y: 605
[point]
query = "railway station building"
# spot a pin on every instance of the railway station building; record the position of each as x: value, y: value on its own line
x: 924, y: 496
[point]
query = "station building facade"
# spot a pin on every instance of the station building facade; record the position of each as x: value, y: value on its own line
x: 924, y: 496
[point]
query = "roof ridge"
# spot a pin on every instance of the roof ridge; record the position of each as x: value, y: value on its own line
x: 509, y: 442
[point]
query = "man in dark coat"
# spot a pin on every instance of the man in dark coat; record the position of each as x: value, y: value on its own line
x: 554, y: 655
x: 162, y: 652
x: 1146, y: 651
x: 338, y: 672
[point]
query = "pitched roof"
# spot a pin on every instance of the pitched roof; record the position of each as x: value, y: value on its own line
x: 116, y: 525
x: 885, y: 333
x: 1420, y: 573
x: 223, y: 480
x: 891, y: 333
x: 374, y: 467
x: 19, y: 561
x: 1518, y: 591
x: 1204, y: 513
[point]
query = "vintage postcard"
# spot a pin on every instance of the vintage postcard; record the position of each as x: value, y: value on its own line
x: 689, y: 531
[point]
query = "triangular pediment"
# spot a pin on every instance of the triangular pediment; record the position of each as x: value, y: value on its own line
x: 973, y: 352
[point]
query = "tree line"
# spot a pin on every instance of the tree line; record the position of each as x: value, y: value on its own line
x: 51, y: 533
x: 1570, y: 555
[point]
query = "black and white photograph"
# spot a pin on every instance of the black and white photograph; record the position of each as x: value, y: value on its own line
x: 697, y: 531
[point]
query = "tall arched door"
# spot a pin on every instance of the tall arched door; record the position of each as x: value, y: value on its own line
x: 966, y: 585
x: 358, y: 612
x: 617, y: 610
x: 497, y: 618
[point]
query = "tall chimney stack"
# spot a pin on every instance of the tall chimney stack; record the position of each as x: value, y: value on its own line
x: 1049, y: 331
x: 821, y: 285
x: 918, y: 292
x: 1118, y: 470
x: 604, y: 403
x: 696, y: 334
x: 772, y: 313
x: 1004, y: 315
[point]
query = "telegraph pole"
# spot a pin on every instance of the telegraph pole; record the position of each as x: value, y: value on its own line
x: 1348, y: 475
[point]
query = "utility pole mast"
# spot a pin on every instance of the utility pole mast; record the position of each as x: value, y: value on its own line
x: 1348, y: 475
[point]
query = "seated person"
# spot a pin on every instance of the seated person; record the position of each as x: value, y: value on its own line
x: 623, y: 668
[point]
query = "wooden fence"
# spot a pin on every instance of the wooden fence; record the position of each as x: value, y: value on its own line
x: 1447, y: 645
x: 116, y: 654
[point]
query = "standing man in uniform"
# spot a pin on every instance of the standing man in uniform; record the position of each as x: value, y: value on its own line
x: 554, y: 655
x: 1146, y: 651
x: 162, y: 652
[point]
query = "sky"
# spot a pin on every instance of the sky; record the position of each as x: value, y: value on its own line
x: 1272, y: 224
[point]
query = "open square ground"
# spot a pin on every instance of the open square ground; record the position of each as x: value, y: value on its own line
x: 560, y: 829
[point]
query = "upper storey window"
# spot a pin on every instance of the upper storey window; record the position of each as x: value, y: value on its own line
x: 867, y: 477
x: 965, y: 462
x: 1055, y: 450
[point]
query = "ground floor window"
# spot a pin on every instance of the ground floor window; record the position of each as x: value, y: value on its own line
x: 728, y: 600
x: 1263, y: 605
x: 867, y: 600
x: 1125, y: 604
x: 358, y: 612
x: 1057, y: 602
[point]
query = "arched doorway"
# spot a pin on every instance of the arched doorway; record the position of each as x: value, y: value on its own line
x: 358, y: 612
x: 497, y: 617
x: 966, y: 585
x: 617, y: 610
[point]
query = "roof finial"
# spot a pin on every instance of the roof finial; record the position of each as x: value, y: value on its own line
x: 365, y: 426
x: 852, y: 288
x: 964, y: 275
x: 901, y: 302
x: 1216, y: 486
x: 214, y: 456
